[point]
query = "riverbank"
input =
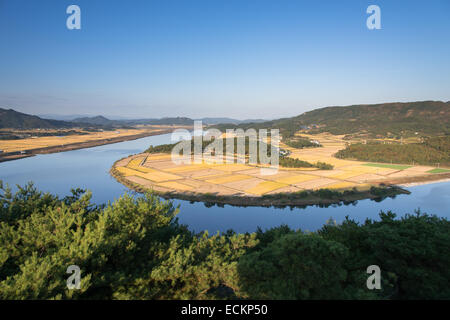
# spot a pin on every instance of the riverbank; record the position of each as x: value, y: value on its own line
x: 441, y: 177
x: 89, y: 169
x: 9, y: 156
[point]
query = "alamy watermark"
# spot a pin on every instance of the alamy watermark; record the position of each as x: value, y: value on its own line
x: 234, y: 146
x: 74, y: 20
x: 374, y: 20
x: 374, y: 280
x: 74, y: 281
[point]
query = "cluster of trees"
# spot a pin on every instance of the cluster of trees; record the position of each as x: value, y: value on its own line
x: 284, y: 161
x: 430, y: 152
x: 289, y: 162
x: 300, y: 143
x: 379, y: 193
x: 135, y: 248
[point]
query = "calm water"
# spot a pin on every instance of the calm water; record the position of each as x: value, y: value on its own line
x: 88, y: 168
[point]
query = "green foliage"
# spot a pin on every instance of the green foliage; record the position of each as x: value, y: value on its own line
x: 288, y: 162
x: 295, y: 266
x: 386, y: 119
x: 411, y: 252
x: 134, y: 248
x: 162, y: 148
x: 300, y: 143
x: 294, y: 163
x: 430, y: 152
x: 324, y: 165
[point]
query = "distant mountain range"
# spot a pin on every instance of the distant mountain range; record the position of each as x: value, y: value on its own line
x: 13, y: 119
x: 424, y: 117
x: 229, y: 120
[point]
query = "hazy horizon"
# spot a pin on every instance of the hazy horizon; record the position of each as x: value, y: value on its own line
x: 68, y: 116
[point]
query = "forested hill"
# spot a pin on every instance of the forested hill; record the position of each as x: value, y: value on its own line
x: 13, y: 119
x: 424, y: 117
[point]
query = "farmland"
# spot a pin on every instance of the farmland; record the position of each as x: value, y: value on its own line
x: 17, y: 148
x: 156, y: 171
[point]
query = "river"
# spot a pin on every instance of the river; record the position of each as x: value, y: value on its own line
x: 88, y: 168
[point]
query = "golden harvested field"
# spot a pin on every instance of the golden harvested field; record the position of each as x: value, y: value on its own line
x: 292, y: 179
x: 176, y: 185
x: 161, y: 173
x: 55, y: 141
x: 149, y: 174
x: 265, y: 187
x: 228, y: 178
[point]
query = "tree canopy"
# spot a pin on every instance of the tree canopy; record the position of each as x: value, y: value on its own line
x: 134, y: 248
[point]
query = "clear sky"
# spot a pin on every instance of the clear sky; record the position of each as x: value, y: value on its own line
x: 233, y: 58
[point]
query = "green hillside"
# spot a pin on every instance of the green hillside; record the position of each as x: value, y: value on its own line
x: 386, y: 119
x: 432, y: 151
x: 17, y: 120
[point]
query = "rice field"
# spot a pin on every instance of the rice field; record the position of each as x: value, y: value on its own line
x: 176, y: 185
x: 55, y: 141
x: 295, y: 179
x: 228, y: 178
x: 265, y: 187
x: 341, y: 185
x: 158, y: 171
x: 133, y: 169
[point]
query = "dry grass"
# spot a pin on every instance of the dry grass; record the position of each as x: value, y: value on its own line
x: 176, y: 185
x: 238, y: 178
x: 266, y: 186
x: 228, y: 178
x: 296, y: 179
x: 55, y: 141
x: 187, y: 168
x: 341, y: 185
x: 232, y: 167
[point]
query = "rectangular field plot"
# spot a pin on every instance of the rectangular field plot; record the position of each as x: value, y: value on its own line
x: 187, y: 168
x: 158, y: 156
x: 266, y: 186
x: 136, y: 164
x: 231, y: 167
x: 127, y: 171
x: 316, y: 184
x: 341, y: 185
x: 149, y: 174
x: 295, y: 179
x: 176, y: 185
x: 228, y: 178
x: 345, y: 175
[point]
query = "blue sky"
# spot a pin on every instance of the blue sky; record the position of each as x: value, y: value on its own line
x: 234, y: 58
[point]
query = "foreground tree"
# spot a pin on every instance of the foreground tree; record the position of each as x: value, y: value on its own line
x: 135, y: 248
